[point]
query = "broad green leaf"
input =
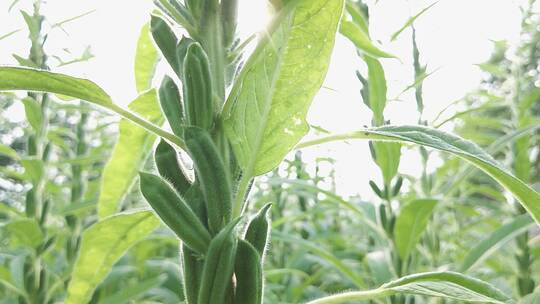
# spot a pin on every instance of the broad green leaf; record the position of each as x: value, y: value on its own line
x: 146, y: 58
x: 410, y: 21
x: 440, y: 140
x: 264, y: 115
x: 25, y: 79
x: 25, y: 232
x: 450, y: 285
x: 496, y: 240
x: 130, y: 152
x: 16, y: 78
x: 9, y: 152
x: 411, y: 223
x: 361, y: 40
x: 102, y: 245
x: 33, y: 113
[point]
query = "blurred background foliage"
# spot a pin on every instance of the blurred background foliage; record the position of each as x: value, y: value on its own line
x: 454, y: 216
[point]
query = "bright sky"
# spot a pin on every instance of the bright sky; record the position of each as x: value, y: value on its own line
x: 452, y: 36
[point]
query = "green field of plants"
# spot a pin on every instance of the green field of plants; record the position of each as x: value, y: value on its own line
x: 213, y: 187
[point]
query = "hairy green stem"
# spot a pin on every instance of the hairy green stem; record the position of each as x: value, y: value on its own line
x: 148, y: 126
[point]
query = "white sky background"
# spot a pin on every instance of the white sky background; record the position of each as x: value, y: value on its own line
x: 453, y: 36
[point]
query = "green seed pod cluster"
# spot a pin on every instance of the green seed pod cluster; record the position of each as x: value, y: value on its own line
x: 169, y: 168
x: 171, y: 104
x: 219, y: 266
x: 198, y: 89
x: 249, y: 274
x: 258, y: 230
x: 212, y: 175
x: 192, y: 267
x: 165, y: 39
x: 174, y: 212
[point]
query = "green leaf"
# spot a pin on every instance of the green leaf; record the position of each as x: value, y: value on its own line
x: 15, y: 78
x: 323, y: 254
x: 440, y: 140
x: 33, y: 113
x: 411, y: 223
x: 133, y: 147
x: 33, y: 169
x: 411, y: 21
x: 9, y: 152
x: 450, y: 285
x: 25, y: 232
x: 265, y: 113
x: 25, y: 79
x: 132, y: 292
x: 379, y: 267
x: 146, y: 58
x: 496, y: 240
x: 361, y: 40
x: 102, y: 245
x: 387, y: 158
x: 9, y: 34
x: 376, y: 88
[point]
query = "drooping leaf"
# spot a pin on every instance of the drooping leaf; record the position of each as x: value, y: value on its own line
x: 361, y: 40
x: 131, y: 150
x: 450, y: 285
x: 264, y: 115
x: 146, y: 58
x: 16, y: 78
x: 102, y: 245
x: 411, y: 223
x: 495, y: 240
x: 440, y: 140
x: 25, y: 79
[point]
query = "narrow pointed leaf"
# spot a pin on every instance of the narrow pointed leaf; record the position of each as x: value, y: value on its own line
x: 495, y: 240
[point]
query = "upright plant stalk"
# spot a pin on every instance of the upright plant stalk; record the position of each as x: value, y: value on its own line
x: 522, y: 168
x: 37, y: 203
x: 78, y: 187
x: 220, y: 262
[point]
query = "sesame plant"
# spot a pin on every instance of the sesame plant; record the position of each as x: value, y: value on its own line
x: 224, y: 115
